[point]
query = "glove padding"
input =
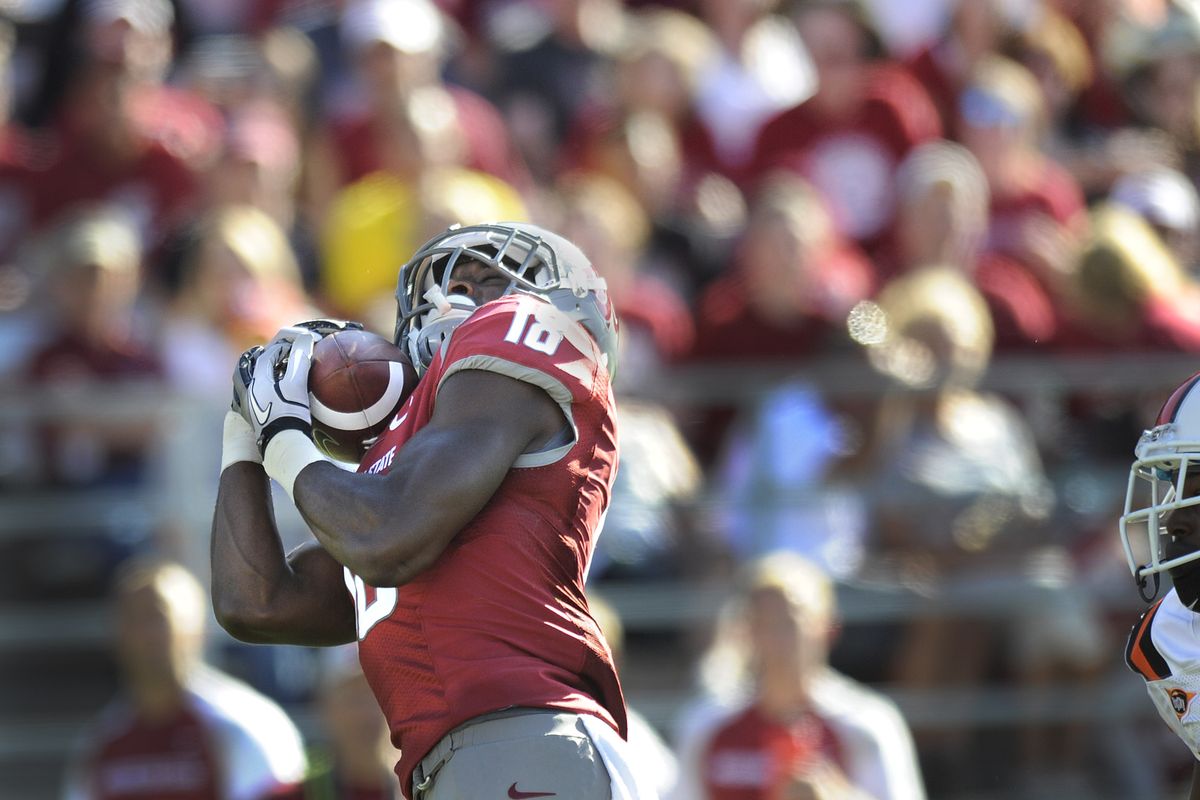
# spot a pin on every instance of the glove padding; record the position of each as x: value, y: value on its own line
x: 271, y: 384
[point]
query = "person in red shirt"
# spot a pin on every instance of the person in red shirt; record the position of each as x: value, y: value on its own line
x: 975, y: 30
x: 657, y: 74
x: 1037, y: 212
x: 119, y: 134
x: 466, y: 536
x: 943, y: 220
x: 799, y: 729
x: 791, y: 285
x: 848, y: 137
x: 92, y: 339
x: 181, y: 730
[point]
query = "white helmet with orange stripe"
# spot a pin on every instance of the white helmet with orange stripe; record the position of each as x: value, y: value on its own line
x: 1160, y: 525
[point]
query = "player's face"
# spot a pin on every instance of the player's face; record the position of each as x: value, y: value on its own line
x: 481, y: 283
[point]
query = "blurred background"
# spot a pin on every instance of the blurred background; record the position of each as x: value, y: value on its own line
x: 900, y: 284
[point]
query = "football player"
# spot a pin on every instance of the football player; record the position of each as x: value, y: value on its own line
x: 1160, y: 532
x: 457, y: 555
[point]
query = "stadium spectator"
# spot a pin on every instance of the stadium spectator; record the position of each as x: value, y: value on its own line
x: 760, y: 69
x: 229, y: 279
x: 119, y: 134
x: 792, y: 281
x: 657, y: 70
x: 784, y: 481
x: 1167, y: 200
x: 508, y: 456
x: 774, y: 719
x: 354, y: 759
x: 1130, y: 291
x: 863, y: 119
x: 398, y: 48
x: 943, y: 221
x: 179, y: 728
x: 92, y: 268
x: 549, y: 61
x: 974, y: 30
x: 1159, y: 81
x: 1037, y: 214
x: 968, y: 460
x: 1056, y: 54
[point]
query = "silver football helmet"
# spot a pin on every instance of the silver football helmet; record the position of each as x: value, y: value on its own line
x: 536, y: 261
x: 1166, y: 456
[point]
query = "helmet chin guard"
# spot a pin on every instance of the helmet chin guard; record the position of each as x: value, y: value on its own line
x: 536, y: 261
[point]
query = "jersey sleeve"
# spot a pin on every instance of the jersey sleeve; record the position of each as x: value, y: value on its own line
x: 527, y: 339
x: 1141, y: 655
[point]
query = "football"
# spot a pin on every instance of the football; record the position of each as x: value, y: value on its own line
x: 357, y: 382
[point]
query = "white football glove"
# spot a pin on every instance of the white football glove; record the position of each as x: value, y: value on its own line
x: 271, y: 385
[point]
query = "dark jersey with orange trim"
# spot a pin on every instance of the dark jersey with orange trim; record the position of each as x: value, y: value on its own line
x: 1164, y: 648
x: 500, y: 619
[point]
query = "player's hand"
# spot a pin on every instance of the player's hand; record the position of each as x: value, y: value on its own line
x: 324, y: 327
x: 276, y: 394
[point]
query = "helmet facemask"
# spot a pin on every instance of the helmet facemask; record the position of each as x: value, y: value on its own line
x: 1156, y: 489
x: 427, y: 313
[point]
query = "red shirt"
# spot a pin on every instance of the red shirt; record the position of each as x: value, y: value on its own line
x: 172, y: 760
x: 225, y: 742
x: 501, y: 619
x: 1054, y: 193
x: 729, y: 327
x: 751, y: 756
x: 852, y: 161
x: 157, y: 184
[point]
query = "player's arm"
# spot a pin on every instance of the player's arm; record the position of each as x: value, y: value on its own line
x: 260, y: 594
x: 389, y: 528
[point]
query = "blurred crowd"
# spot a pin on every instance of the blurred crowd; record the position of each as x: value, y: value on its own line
x: 907, y: 189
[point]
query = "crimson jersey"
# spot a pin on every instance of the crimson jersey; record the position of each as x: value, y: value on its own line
x: 500, y: 619
x: 751, y: 756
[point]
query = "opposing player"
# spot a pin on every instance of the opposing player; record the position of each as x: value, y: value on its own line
x: 466, y: 535
x: 1160, y: 531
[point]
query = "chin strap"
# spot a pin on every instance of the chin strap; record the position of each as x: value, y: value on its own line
x: 1141, y: 583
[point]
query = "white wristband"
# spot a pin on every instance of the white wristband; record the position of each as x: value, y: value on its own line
x: 288, y: 452
x: 238, y: 442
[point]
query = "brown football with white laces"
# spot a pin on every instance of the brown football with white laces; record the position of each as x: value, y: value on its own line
x: 357, y: 382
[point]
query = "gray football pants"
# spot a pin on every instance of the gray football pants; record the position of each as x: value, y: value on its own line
x: 517, y: 754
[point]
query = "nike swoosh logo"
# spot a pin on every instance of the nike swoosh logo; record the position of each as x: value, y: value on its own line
x: 261, y: 414
x: 517, y: 795
x: 396, y: 423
